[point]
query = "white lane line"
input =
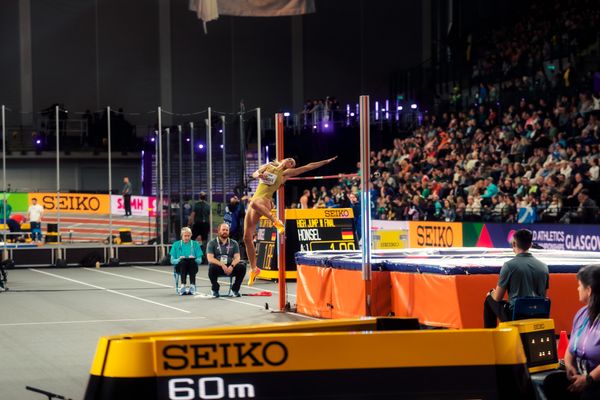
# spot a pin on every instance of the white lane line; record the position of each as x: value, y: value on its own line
x: 242, y: 302
x: 303, y: 316
x: 93, y: 321
x: 258, y: 306
x: 111, y: 291
x: 258, y: 289
x: 128, y: 277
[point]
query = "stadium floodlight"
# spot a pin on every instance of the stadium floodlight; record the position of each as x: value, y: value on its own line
x: 286, y: 114
x: 400, y: 108
x: 413, y: 106
x: 200, y: 146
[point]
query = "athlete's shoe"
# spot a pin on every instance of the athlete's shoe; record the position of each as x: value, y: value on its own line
x: 182, y: 291
x: 253, y: 275
x: 235, y: 294
x: 192, y: 289
x: 215, y: 294
x: 280, y: 227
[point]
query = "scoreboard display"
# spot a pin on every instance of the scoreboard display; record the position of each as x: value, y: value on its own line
x: 539, y: 342
x: 305, y: 230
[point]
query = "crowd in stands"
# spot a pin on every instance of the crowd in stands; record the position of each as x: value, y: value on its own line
x: 533, y: 163
x: 530, y: 155
x: 547, y: 30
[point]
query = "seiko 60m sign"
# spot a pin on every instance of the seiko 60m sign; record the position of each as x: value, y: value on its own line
x: 223, y: 355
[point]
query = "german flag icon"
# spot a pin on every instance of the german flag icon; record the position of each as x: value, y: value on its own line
x: 347, y: 235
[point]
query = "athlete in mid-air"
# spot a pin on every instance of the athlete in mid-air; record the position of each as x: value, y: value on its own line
x: 271, y: 176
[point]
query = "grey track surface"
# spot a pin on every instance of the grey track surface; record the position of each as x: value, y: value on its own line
x: 51, y: 319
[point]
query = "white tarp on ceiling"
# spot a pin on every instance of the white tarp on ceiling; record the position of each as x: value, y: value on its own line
x: 209, y: 10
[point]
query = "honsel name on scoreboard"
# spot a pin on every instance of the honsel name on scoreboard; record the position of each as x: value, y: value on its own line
x: 306, y: 230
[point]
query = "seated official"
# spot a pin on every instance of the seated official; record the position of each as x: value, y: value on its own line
x: 522, y: 276
x: 581, y: 378
x: 186, y: 255
x: 223, y: 254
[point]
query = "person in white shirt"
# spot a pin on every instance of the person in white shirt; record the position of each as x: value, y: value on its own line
x: 34, y: 216
x: 594, y: 170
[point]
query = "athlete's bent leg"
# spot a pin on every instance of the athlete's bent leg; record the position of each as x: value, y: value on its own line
x: 252, y: 218
x: 265, y: 211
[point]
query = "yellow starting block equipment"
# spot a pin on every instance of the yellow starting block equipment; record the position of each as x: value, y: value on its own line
x: 372, y: 358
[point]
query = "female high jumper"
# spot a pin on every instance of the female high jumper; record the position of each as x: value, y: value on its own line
x: 271, y: 176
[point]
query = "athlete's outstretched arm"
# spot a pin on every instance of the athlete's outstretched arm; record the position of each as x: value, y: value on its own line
x: 289, y: 173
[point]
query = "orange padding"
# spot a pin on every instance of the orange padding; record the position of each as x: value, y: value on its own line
x: 338, y: 293
x: 313, y: 291
x: 453, y: 301
x: 456, y: 301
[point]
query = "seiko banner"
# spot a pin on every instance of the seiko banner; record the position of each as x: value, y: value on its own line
x: 86, y: 203
x: 142, y: 206
x: 435, y: 234
x: 81, y: 203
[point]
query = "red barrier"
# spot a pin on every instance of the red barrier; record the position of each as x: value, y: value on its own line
x: 452, y: 301
x: 456, y: 301
x: 338, y: 293
x: 348, y: 294
x: 313, y: 291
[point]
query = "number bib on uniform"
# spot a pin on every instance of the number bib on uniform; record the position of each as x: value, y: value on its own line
x: 269, y: 178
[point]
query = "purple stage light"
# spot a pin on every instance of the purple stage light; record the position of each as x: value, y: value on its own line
x: 400, y: 108
x: 221, y: 146
x: 201, y: 146
x: 38, y: 141
x: 286, y: 114
x: 413, y: 106
x: 187, y: 139
x: 220, y: 130
x: 152, y: 139
x: 387, y: 109
x: 326, y: 125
